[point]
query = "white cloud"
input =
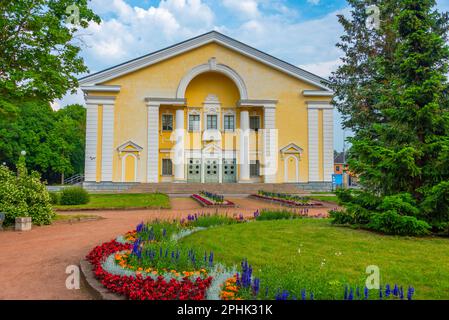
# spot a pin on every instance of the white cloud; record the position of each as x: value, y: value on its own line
x: 314, y: 2
x: 322, y: 69
x: 246, y: 8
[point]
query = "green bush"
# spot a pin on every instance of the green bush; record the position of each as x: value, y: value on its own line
x: 276, y: 215
x: 24, y: 195
x: 393, y: 223
x: 73, y: 196
x: 55, y: 197
x: 341, y: 217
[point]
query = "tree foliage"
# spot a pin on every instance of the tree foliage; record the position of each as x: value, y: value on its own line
x: 392, y: 90
x: 53, y: 140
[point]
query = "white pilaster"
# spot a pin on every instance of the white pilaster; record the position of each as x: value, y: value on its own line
x: 244, y: 146
x: 107, y: 148
x: 179, y: 154
x: 153, y: 143
x: 313, y: 145
x: 90, y: 167
x: 270, y: 154
x: 328, y: 144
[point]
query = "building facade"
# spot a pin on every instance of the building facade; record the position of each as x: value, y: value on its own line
x: 208, y: 110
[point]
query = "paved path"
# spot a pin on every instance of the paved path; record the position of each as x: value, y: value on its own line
x: 33, y: 264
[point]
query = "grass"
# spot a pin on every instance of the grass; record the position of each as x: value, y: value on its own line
x: 325, y: 198
x: 65, y: 217
x: 312, y: 254
x: 121, y: 201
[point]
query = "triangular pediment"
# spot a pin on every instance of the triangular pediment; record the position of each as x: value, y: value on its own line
x: 212, y: 148
x: 191, y: 44
x: 129, y: 146
x: 291, y: 148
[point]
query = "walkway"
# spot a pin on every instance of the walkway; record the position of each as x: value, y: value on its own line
x: 33, y: 264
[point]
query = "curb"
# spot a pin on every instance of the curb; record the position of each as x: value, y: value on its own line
x: 96, y: 287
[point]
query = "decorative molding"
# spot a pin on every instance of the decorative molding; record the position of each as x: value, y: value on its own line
x: 319, y: 105
x: 317, y: 93
x: 136, y: 159
x: 100, y: 88
x: 153, y: 101
x: 100, y: 100
x: 269, y: 103
x: 285, y: 150
x: 210, y: 37
x: 134, y: 147
x: 286, y: 159
x: 207, y: 67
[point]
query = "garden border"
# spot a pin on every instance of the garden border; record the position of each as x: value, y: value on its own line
x: 317, y: 204
x: 94, y: 286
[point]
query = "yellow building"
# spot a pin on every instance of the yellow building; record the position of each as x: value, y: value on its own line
x: 211, y: 110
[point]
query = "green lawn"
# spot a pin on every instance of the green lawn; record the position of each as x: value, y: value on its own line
x: 65, y: 217
x: 325, y: 198
x: 272, y: 248
x: 121, y: 201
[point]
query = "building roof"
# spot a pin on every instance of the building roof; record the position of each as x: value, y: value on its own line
x: 339, y: 159
x: 190, y: 44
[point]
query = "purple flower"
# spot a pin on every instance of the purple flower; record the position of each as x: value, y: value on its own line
x: 410, y: 293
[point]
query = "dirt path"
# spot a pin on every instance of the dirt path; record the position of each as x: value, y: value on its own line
x: 33, y: 264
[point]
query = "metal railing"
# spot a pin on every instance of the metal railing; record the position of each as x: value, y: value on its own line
x: 75, y: 179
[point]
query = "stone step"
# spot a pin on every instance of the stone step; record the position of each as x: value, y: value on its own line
x: 186, y: 188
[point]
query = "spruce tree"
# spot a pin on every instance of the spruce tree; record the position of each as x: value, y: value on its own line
x: 392, y: 90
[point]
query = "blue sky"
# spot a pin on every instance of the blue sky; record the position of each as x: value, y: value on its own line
x: 302, y: 32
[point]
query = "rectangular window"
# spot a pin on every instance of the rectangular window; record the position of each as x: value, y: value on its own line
x: 229, y: 122
x: 254, y: 123
x: 254, y: 168
x: 167, y: 122
x: 194, y: 122
x: 212, y: 122
x: 337, y: 168
x: 167, y: 167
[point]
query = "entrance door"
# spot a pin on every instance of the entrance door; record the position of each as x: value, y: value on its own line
x: 194, y: 170
x: 211, y: 168
x: 229, y: 171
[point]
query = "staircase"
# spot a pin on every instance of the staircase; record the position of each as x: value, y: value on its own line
x: 220, y: 188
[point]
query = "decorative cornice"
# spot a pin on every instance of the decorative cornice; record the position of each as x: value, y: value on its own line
x: 257, y: 103
x: 103, y: 100
x: 319, y: 105
x: 210, y: 37
x: 100, y: 88
x: 152, y: 101
x: 317, y: 93
x: 124, y: 146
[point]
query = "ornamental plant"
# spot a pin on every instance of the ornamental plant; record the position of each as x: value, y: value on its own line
x: 24, y: 195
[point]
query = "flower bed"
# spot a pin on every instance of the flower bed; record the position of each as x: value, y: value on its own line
x: 286, y: 199
x: 149, y: 264
x: 206, y: 201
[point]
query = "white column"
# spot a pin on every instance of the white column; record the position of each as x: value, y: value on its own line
x: 328, y: 143
x: 244, y: 146
x: 90, y: 167
x: 107, y: 148
x: 313, y: 144
x: 179, y: 152
x: 153, y: 143
x: 270, y: 154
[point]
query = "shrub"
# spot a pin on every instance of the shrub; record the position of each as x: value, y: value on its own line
x: 341, y: 217
x: 393, y: 223
x: 73, y: 196
x: 24, y: 195
x: 276, y: 215
x: 55, y: 197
